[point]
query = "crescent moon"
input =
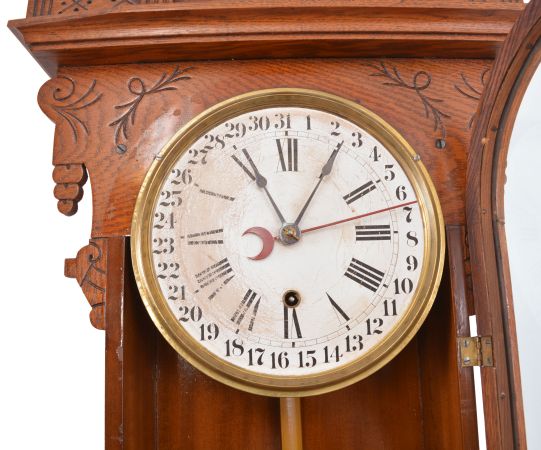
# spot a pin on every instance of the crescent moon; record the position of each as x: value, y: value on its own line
x: 266, y: 238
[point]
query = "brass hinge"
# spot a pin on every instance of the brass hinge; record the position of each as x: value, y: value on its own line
x: 476, y: 351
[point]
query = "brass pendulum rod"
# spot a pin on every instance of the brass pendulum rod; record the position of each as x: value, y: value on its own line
x: 290, y: 420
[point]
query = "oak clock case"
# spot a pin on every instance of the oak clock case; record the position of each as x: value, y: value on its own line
x: 288, y: 242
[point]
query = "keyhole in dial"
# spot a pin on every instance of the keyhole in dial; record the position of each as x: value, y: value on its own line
x: 292, y: 299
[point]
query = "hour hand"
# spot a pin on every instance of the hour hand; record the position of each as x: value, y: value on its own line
x: 326, y: 170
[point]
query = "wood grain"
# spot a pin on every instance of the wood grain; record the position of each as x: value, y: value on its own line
x: 460, y: 290
x: 383, y: 411
x: 195, y: 412
x: 454, y: 405
x: 130, y: 359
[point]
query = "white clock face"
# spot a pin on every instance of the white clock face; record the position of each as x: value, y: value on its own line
x: 249, y: 257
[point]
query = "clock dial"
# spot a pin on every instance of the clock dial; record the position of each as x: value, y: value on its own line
x: 284, y: 243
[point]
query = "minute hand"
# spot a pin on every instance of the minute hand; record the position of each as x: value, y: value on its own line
x: 261, y: 182
x: 360, y: 216
x: 326, y: 170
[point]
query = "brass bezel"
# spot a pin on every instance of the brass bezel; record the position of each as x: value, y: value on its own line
x: 288, y: 386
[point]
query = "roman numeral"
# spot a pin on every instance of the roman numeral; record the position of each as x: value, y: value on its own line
x: 212, y: 237
x: 288, y: 162
x: 291, y: 324
x: 214, y: 274
x: 359, y: 192
x: 365, y: 275
x: 373, y: 232
x: 241, y: 164
x: 338, y: 310
x: 244, y: 307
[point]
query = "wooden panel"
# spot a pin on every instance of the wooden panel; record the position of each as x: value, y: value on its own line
x: 382, y: 411
x: 194, y: 412
x: 460, y: 290
x: 115, y: 121
x: 130, y: 358
x: 156, y: 400
x: 76, y: 33
x: 447, y: 389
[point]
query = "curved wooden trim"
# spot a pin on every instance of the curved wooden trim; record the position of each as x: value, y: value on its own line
x: 499, y: 106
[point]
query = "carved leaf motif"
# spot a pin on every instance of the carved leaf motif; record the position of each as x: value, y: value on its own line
x: 67, y: 104
x: 137, y: 87
x: 467, y: 89
x: 89, y: 269
x: 420, y: 83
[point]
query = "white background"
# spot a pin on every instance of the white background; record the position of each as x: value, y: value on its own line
x: 52, y: 360
x: 523, y: 226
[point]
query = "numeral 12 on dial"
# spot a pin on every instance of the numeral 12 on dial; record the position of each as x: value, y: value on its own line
x: 292, y: 156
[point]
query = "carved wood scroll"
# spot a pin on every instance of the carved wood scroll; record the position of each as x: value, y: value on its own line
x: 89, y: 268
x: 67, y: 102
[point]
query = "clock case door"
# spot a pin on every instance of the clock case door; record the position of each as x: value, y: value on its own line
x: 118, y: 94
x: 513, y: 69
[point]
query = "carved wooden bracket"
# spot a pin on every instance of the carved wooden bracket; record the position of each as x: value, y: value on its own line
x: 69, y: 179
x: 65, y: 102
x: 89, y: 269
x: 81, y: 103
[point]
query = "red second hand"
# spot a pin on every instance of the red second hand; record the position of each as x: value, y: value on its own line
x: 307, y: 230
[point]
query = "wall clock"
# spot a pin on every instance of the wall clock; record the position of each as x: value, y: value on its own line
x: 210, y: 233
x: 348, y: 252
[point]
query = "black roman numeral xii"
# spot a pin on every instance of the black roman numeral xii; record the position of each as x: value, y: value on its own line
x: 289, y: 162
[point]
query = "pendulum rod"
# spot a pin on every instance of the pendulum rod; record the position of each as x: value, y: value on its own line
x: 290, y: 420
